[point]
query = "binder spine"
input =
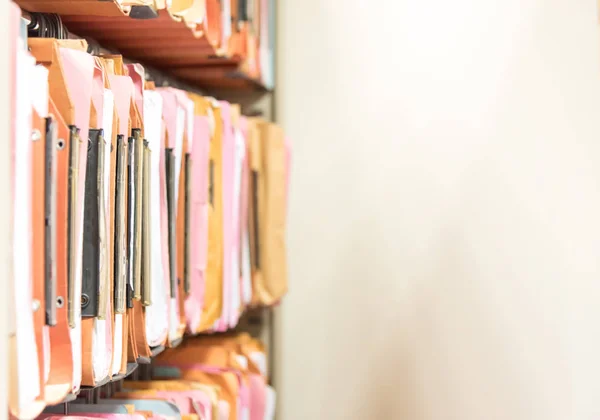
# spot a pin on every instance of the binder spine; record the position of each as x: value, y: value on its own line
x: 50, y: 222
x: 137, y: 232
x: 171, y: 210
x: 187, y: 233
x: 131, y: 189
x: 120, y: 249
x: 90, y: 287
x: 72, y: 231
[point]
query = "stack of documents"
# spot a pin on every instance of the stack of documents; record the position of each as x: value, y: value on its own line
x: 185, y: 35
x: 140, y: 215
x: 217, y: 378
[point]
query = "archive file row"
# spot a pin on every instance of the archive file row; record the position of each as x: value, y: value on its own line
x: 139, y: 214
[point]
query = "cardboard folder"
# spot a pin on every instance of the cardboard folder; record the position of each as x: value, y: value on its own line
x: 189, y: 403
x: 25, y: 375
x: 213, y: 365
x: 274, y: 214
x: 122, y: 86
x: 213, y: 296
x: 98, y: 324
x: 39, y: 80
x: 244, y: 238
x: 174, y: 114
x: 249, y: 356
x: 268, y: 207
x: 183, y: 184
x: 64, y: 74
x: 111, y: 135
x: 137, y: 323
x: 78, y: 68
x: 61, y: 356
x: 194, y: 300
x: 205, y: 397
x: 157, y: 320
x: 227, y: 175
x: 227, y: 382
x: 256, y: 197
x: 239, y: 157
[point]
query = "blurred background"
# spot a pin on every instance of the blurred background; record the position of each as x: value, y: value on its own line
x: 444, y: 233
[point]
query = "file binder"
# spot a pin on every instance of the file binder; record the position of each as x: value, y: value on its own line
x: 157, y: 317
x: 198, y: 234
x: 78, y: 67
x: 122, y: 88
x: 227, y: 175
x: 38, y: 77
x: 184, y: 142
x: 213, y: 302
x: 120, y: 258
x: 24, y: 373
x: 97, y: 331
x: 90, y: 298
x: 174, y: 119
x: 61, y: 356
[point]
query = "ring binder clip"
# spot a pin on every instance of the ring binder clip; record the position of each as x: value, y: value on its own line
x: 143, y: 12
x: 93, y: 47
x: 46, y: 25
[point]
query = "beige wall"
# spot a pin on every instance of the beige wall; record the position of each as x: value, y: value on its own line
x: 444, y: 234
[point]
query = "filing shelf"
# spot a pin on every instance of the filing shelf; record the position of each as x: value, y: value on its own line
x: 74, y: 7
x: 131, y: 368
x: 167, y: 45
x: 109, y: 384
x: 173, y: 46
